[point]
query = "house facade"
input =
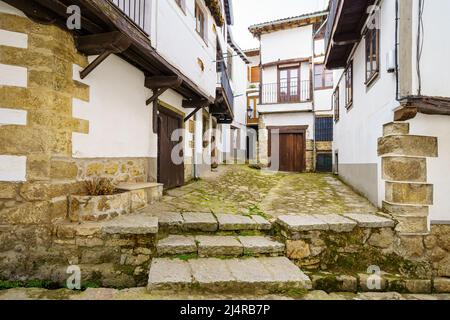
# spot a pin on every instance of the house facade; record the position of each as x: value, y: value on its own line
x: 391, y: 137
x: 294, y: 104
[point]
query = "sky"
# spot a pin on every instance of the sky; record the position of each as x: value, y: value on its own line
x: 248, y: 12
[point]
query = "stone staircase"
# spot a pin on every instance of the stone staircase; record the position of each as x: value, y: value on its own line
x: 221, y: 253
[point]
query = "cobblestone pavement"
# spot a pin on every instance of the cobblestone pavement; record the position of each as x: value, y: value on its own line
x: 142, y: 294
x: 239, y: 189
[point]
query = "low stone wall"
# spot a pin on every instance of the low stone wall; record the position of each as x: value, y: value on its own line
x: 416, y: 257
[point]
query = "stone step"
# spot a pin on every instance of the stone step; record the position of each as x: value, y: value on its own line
x: 208, y: 222
x: 227, y: 275
x: 332, y: 222
x: 219, y: 246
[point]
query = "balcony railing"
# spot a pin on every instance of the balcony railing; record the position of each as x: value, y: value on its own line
x: 225, y: 83
x: 138, y: 11
x: 330, y: 22
x: 294, y: 92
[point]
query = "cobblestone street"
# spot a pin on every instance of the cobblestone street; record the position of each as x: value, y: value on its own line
x: 242, y: 190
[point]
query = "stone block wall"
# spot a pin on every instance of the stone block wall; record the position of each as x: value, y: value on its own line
x: 411, y: 256
x: 404, y: 169
x: 29, y: 207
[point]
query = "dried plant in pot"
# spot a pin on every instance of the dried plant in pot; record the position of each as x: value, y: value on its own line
x: 103, y: 201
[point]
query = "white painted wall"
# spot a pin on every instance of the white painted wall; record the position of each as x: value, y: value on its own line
x: 120, y: 124
x: 292, y: 119
x: 287, y: 44
x: 436, y: 47
x: 13, y: 76
x: 175, y: 38
x: 6, y: 8
x: 12, y: 117
x: 357, y: 132
x: 438, y: 169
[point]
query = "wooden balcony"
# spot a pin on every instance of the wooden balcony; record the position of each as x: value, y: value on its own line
x: 137, y: 11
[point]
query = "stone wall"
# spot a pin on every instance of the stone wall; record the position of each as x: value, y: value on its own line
x: 411, y: 256
x: 29, y: 208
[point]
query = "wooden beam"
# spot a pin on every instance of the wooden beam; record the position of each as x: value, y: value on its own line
x: 195, y: 103
x: 103, y: 44
x: 163, y: 82
x: 156, y: 94
x: 33, y: 10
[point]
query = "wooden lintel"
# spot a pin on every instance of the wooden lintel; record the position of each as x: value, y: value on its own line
x: 163, y: 82
x: 33, y: 10
x: 405, y: 113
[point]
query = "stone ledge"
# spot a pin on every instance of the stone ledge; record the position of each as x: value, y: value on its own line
x: 131, y: 224
x: 370, y: 220
x: 302, y: 223
x: 137, y: 186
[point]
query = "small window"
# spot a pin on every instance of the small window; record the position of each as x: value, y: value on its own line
x: 336, y: 104
x: 324, y: 162
x: 324, y: 129
x: 349, y: 86
x: 323, y: 78
x: 200, y: 22
x: 372, y: 53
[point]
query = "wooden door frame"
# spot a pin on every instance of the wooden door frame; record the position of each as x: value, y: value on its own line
x: 162, y: 108
x: 289, y: 129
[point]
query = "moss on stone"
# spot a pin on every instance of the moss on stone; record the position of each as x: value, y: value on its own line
x: 34, y: 283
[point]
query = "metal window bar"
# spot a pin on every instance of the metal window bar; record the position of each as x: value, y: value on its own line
x: 134, y: 9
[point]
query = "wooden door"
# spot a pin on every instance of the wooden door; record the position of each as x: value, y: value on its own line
x: 291, y: 152
x: 170, y: 174
x: 292, y: 148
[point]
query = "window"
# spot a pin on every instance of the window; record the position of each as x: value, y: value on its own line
x: 288, y: 84
x: 349, y: 86
x: 323, y: 78
x: 372, y: 53
x: 254, y: 74
x: 336, y: 104
x: 230, y: 64
x: 200, y: 22
x: 181, y: 4
x: 324, y: 129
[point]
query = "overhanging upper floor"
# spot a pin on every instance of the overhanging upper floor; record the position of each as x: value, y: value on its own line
x: 346, y: 21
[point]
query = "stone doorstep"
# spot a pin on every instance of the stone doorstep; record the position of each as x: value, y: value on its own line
x: 214, y: 246
x: 337, y: 223
x: 302, y: 223
x: 233, y: 274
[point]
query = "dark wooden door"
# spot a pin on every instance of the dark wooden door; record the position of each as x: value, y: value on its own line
x: 170, y: 173
x: 291, y: 152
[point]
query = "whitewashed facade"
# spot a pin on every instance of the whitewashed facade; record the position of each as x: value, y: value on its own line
x: 394, y: 89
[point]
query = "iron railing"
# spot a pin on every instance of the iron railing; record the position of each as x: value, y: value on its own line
x: 284, y: 92
x: 225, y: 83
x: 334, y: 5
x: 136, y: 10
